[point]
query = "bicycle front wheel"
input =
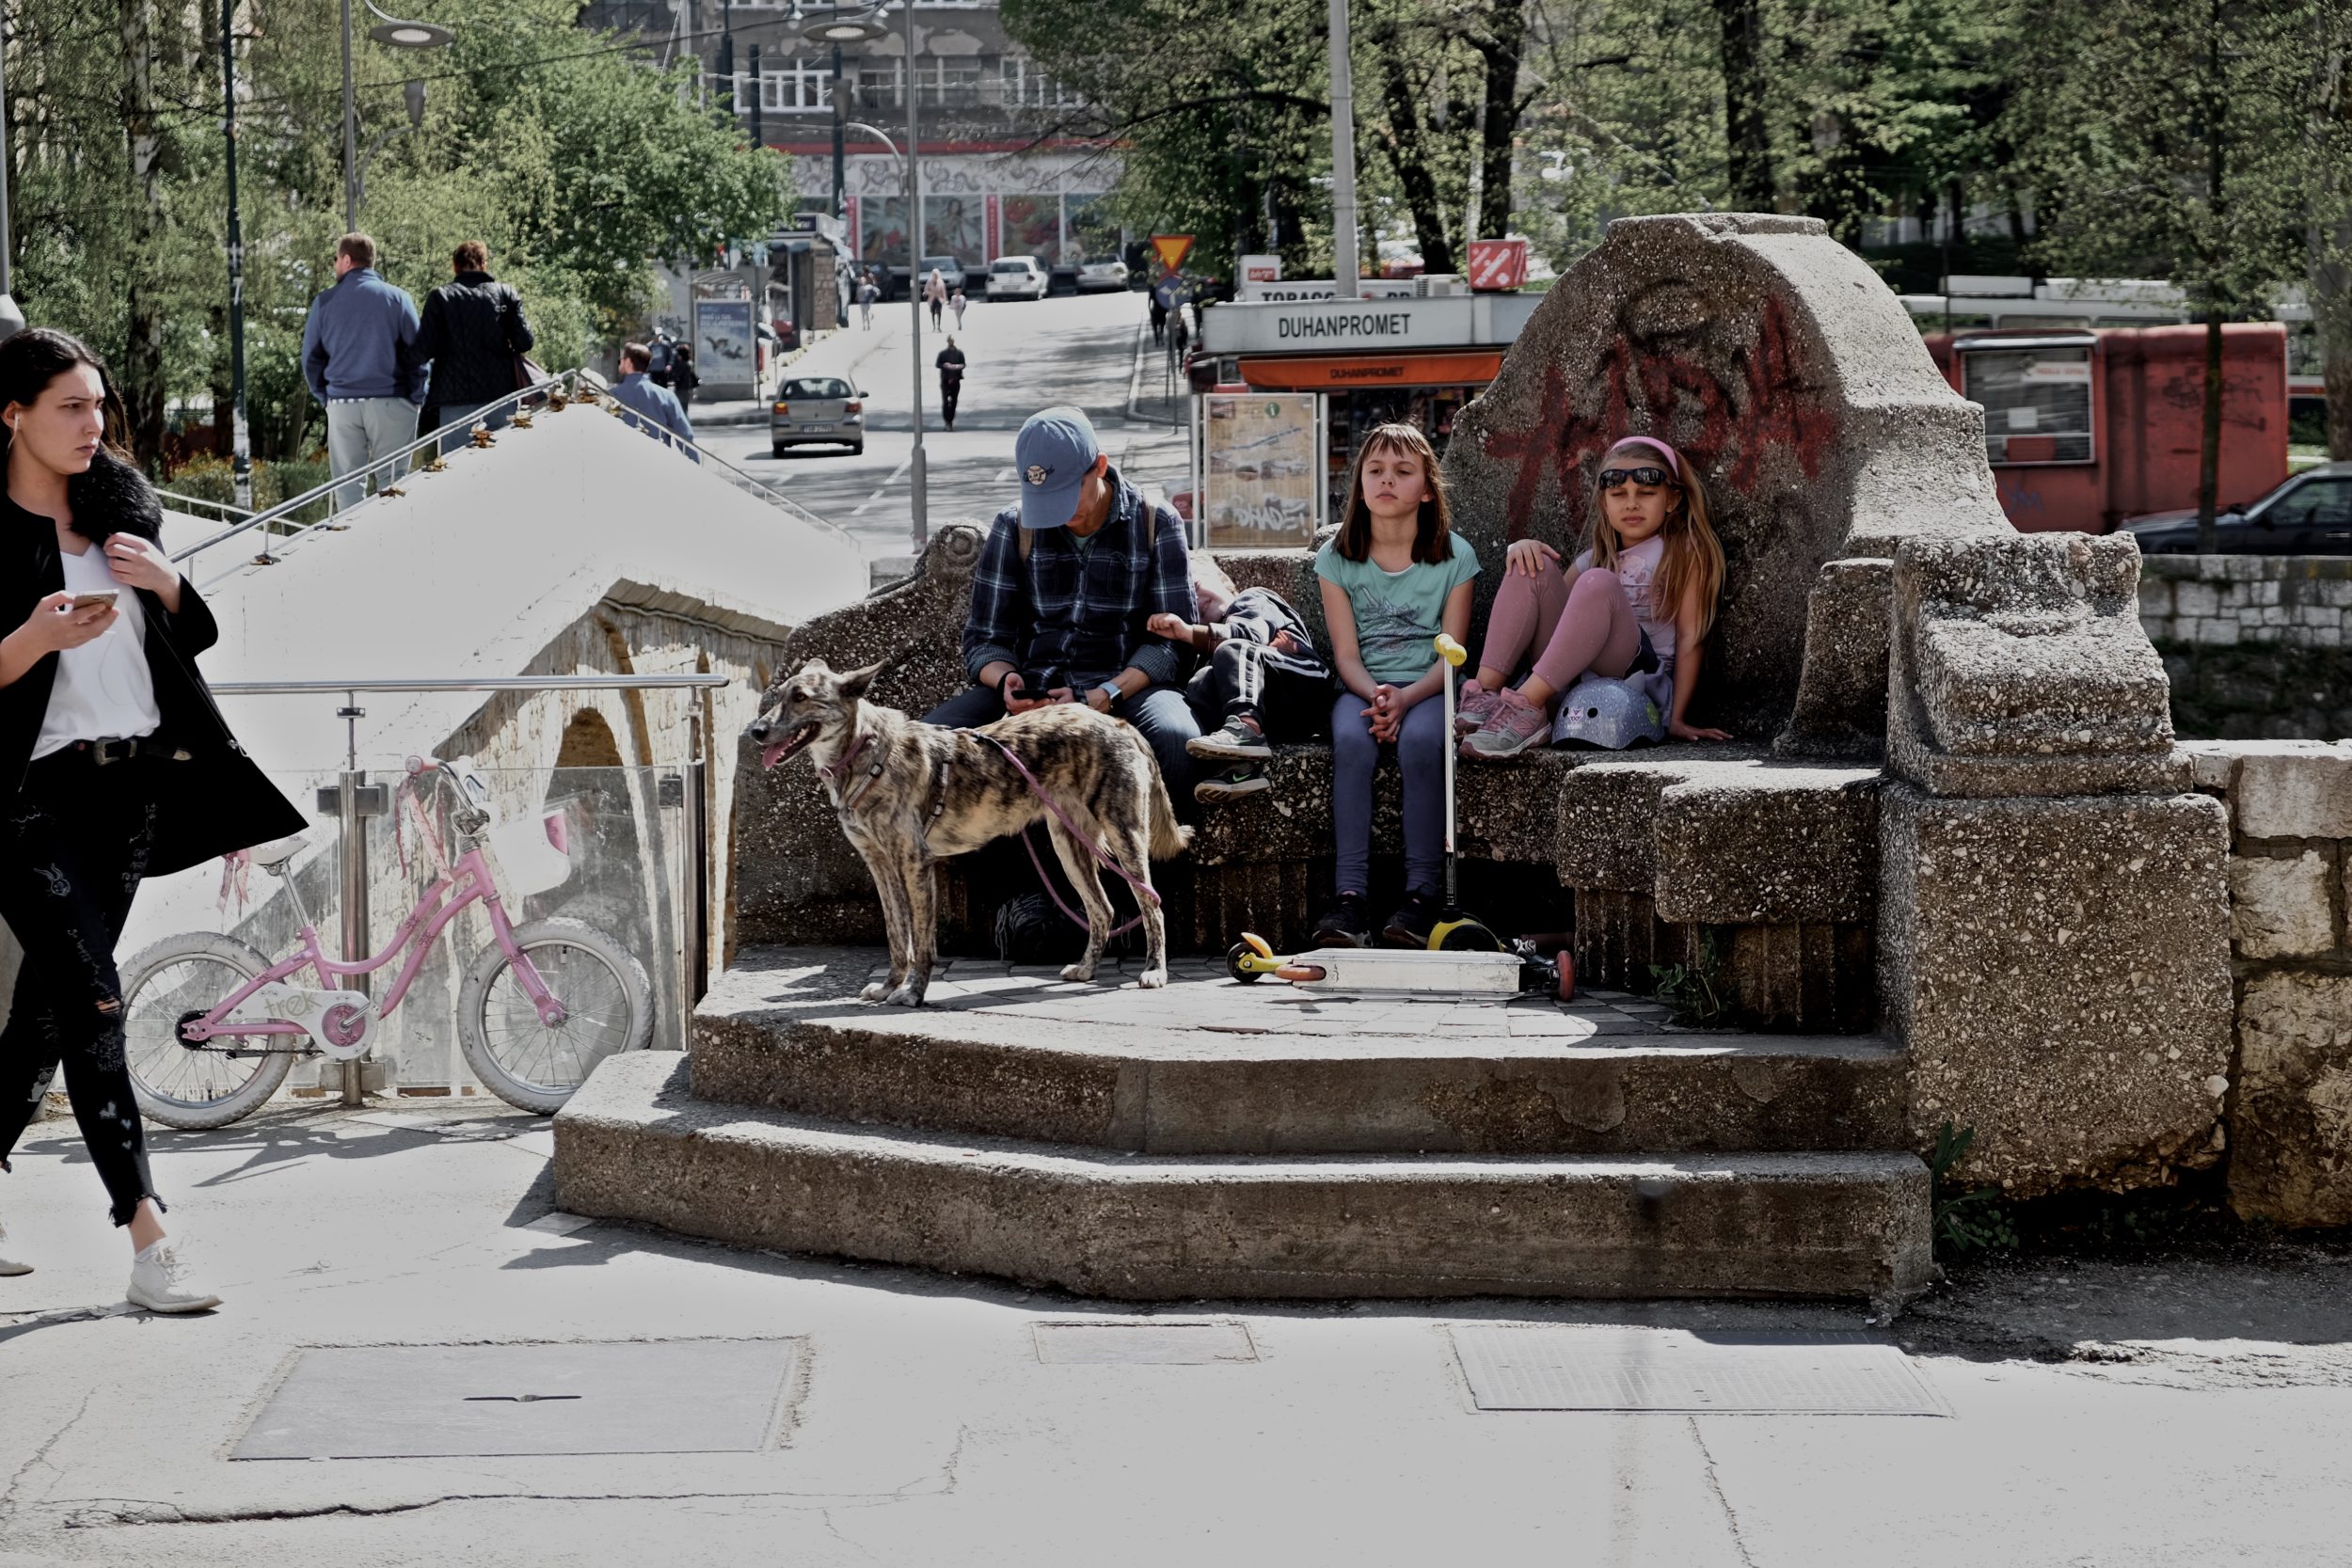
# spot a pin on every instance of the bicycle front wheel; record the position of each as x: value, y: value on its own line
x: 531, y: 1063
x: 192, y: 1086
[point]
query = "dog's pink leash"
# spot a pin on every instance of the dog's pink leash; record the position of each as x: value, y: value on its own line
x: 1143, y: 889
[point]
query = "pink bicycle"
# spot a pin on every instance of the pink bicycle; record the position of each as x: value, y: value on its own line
x: 212, y: 1026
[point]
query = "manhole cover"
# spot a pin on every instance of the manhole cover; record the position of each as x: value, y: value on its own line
x: 1167, y: 1344
x: 442, y: 1402
x: 1595, y: 1368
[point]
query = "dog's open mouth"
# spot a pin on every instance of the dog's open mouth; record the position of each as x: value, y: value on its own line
x: 777, y: 750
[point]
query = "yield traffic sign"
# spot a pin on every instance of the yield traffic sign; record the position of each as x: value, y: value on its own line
x: 1171, y: 250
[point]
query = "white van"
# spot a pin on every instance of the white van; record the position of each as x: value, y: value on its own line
x: 1016, y: 277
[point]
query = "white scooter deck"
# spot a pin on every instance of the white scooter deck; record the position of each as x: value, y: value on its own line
x: 1401, y: 971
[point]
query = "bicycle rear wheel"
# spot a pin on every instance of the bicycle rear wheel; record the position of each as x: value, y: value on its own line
x: 608, y: 1005
x: 181, y: 1085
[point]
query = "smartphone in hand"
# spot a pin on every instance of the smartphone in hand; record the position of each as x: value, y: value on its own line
x: 85, y: 601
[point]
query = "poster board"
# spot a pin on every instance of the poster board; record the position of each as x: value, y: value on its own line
x: 1263, y: 461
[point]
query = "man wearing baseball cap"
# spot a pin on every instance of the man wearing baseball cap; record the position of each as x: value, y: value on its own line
x: 1064, y: 593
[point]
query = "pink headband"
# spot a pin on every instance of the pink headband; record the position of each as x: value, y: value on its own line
x: 1674, y: 459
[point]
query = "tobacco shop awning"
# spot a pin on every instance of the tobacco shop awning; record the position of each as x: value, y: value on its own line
x: 1334, y: 372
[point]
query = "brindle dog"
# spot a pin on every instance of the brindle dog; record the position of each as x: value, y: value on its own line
x: 910, y: 794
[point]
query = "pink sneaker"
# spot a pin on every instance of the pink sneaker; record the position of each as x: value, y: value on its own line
x: 1517, y: 726
x: 1475, y: 709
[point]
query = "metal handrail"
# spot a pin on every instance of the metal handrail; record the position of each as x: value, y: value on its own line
x: 484, y: 683
x: 187, y: 500
x: 574, y: 379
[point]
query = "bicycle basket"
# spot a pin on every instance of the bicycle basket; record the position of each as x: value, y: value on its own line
x: 534, y: 854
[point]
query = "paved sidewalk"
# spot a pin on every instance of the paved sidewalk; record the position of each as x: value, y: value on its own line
x: 2182, y: 1411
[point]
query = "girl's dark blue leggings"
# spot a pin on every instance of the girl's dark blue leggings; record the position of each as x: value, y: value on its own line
x: 1419, y: 752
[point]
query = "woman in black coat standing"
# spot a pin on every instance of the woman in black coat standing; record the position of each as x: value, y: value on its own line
x: 114, y: 764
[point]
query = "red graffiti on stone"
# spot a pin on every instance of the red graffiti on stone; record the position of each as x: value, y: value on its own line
x: 1763, y: 406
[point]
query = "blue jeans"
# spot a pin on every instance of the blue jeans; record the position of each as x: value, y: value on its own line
x: 464, y: 416
x: 1420, y: 751
x: 1159, y: 714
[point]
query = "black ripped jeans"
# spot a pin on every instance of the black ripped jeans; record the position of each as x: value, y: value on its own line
x: 74, y: 845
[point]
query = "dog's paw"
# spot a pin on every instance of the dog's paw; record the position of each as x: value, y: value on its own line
x: 1077, y: 972
x: 875, y: 992
x: 908, y: 995
x: 1152, y: 979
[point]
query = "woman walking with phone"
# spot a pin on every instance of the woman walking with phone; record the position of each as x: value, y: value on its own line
x: 114, y: 765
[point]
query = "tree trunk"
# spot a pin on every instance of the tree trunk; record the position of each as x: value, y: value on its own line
x: 1408, y: 156
x: 1499, y: 119
x: 142, y: 362
x: 2330, y: 251
x: 1745, y: 134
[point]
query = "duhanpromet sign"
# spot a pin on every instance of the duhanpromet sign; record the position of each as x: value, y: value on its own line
x: 1339, y: 325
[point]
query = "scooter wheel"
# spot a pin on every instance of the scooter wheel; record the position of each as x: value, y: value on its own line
x: 1568, y: 974
x: 1469, y: 937
x: 1233, y: 957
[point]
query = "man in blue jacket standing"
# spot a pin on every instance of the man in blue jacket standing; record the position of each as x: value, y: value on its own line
x: 652, y: 408
x: 357, y: 355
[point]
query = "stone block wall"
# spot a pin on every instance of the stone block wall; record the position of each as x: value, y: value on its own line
x: 2219, y: 601
x: 2289, y: 1092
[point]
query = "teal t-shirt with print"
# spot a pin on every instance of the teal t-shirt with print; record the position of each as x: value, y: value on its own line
x: 1398, y: 614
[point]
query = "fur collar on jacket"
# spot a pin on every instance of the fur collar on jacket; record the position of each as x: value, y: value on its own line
x: 112, y: 497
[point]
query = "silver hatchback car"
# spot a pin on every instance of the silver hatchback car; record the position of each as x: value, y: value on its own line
x: 816, y: 409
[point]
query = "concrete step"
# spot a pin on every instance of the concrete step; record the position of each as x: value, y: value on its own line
x: 1210, y: 1068
x: 635, y: 1145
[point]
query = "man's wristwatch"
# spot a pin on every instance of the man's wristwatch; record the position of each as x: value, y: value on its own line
x: 1110, y: 690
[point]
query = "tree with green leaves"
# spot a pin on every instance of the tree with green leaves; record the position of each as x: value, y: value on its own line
x: 2166, y: 139
x: 578, y: 161
x: 2327, y: 238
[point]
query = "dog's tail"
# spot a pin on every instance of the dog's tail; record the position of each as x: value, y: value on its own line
x: 1170, y: 837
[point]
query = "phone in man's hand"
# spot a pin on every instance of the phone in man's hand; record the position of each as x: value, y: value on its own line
x: 84, y: 601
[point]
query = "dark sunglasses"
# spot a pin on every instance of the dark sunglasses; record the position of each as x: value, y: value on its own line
x: 1612, y: 478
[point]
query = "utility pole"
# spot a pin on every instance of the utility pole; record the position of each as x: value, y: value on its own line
x: 759, y: 134
x: 726, y: 56
x: 840, y: 115
x: 918, y: 478
x: 12, y: 318
x: 1344, y: 263
x: 240, y: 440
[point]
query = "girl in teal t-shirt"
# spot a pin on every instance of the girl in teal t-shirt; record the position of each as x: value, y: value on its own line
x: 1394, y: 577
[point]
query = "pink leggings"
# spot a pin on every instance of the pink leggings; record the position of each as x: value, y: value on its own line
x: 1587, y: 627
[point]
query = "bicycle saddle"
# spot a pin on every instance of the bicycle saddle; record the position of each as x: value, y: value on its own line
x: 278, y: 851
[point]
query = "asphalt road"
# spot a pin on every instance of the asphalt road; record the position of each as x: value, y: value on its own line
x: 1092, y: 350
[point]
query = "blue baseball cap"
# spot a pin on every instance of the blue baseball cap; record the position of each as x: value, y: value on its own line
x: 1052, y: 457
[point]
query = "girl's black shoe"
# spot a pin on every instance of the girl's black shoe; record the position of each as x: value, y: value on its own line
x: 1347, y: 923
x: 1410, y: 925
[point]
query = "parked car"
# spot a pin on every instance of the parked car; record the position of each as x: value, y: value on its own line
x: 1017, y: 277
x: 949, y: 268
x: 817, y: 410
x: 1101, y: 274
x: 2309, y: 515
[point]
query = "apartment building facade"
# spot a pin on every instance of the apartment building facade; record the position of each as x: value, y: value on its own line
x: 997, y: 179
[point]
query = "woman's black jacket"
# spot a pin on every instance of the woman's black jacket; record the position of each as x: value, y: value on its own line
x: 218, y: 800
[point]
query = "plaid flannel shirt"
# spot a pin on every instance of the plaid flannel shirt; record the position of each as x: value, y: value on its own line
x: 1084, y: 615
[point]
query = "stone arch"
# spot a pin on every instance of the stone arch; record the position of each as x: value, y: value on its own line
x: 1793, y: 379
x: 588, y: 742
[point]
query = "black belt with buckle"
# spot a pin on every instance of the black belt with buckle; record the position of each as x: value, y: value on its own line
x: 126, y: 749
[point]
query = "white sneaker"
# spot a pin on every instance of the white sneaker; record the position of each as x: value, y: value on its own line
x: 159, y: 1283
x: 8, y: 1265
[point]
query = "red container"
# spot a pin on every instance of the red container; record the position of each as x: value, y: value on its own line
x: 2086, y: 427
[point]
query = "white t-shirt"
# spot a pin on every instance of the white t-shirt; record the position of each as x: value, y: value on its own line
x: 1635, y: 568
x: 104, y: 690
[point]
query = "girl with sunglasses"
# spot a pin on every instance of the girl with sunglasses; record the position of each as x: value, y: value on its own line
x: 1640, y: 600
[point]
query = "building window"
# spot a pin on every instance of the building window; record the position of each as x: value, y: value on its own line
x: 2036, y: 401
x: 796, y: 87
x: 1022, y: 84
x: 877, y: 85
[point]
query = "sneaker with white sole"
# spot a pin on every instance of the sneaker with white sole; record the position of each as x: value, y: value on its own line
x: 159, y: 1282
x: 1236, y: 740
x: 8, y: 1265
x: 1515, y: 725
x: 1475, y: 709
x: 1231, y: 784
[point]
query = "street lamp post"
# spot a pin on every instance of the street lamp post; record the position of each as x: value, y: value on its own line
x: 240, y: 432
x: 1343, y: 264
x: 394, y: 33
x: 917, y: 480
x: 914, y: 301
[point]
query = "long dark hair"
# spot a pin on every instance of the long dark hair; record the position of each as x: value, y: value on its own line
x: 110, y: 496
x: 1433, y: 530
